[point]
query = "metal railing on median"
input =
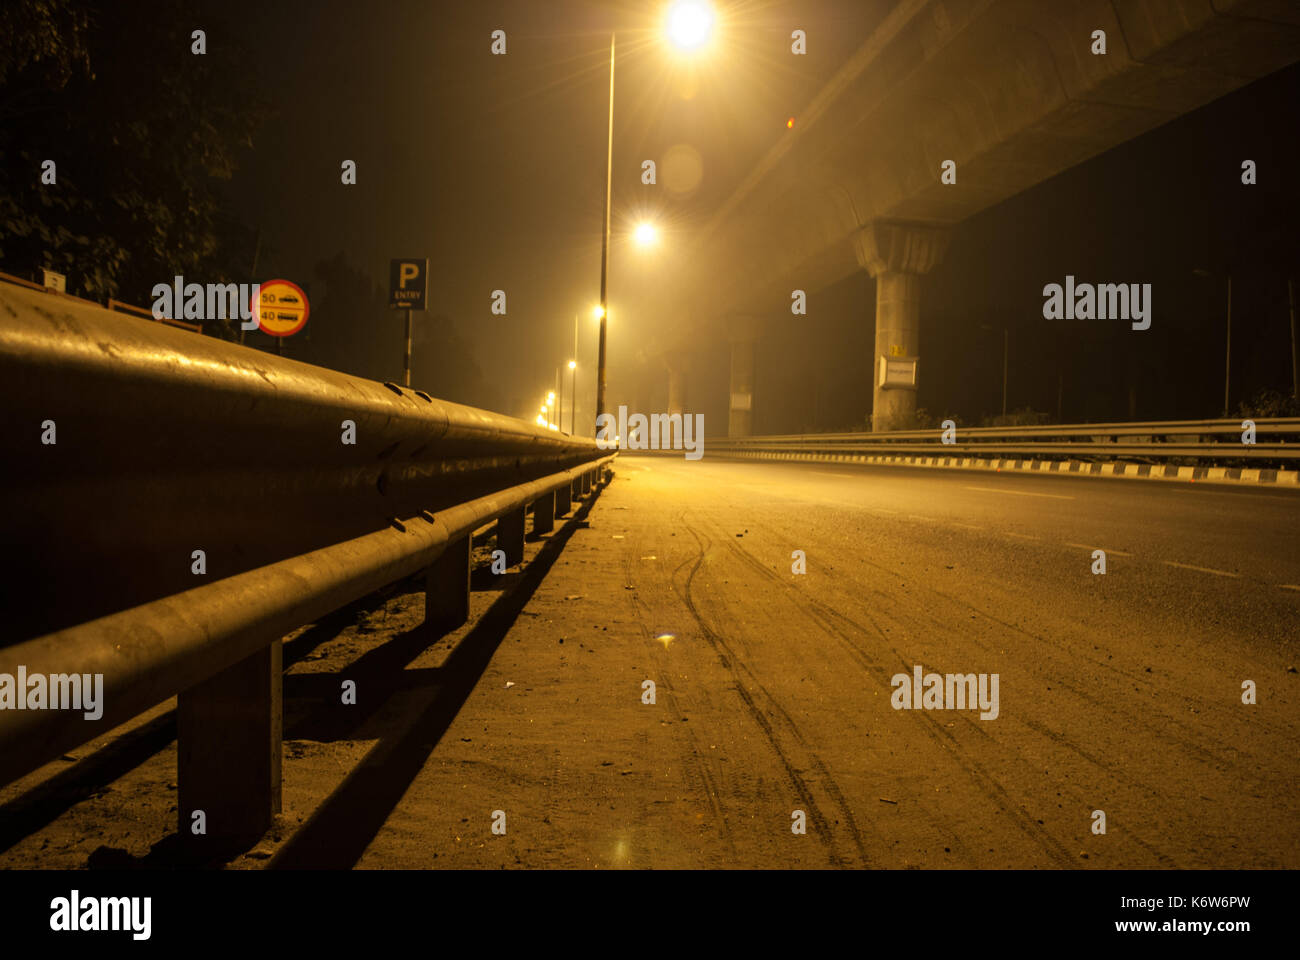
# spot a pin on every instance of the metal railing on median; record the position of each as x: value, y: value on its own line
x: 1277, y: 440
x: 175, y: 505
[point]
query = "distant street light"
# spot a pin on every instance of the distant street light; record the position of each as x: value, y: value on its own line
x: 646, y: 234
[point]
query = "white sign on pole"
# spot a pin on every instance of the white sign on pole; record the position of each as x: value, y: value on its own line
x: 895, y: 372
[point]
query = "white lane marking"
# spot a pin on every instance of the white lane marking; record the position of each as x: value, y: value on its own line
x: 1085, y: 546
x: 1020, y: 536
x: 1242, y: 491
x: 1021, y: 493
x: 1188, y: 566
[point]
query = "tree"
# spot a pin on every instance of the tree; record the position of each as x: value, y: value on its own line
x: 141, y: 130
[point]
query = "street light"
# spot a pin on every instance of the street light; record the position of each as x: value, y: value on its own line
x: 690, y: 24
x: 646, y: 234
x: 689, y: 27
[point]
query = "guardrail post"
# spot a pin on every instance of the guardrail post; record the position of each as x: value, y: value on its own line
x: 586, y: 483
x: 544, y: 513
x: 563, y: 500
x: 510, y: 535
x: 446, y: 593
x: 575, y: 488
x: 228, y: 749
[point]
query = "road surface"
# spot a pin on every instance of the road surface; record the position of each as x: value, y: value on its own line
x: 1119, y: 692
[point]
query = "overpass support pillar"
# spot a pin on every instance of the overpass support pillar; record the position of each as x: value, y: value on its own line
x: 676, y: 390
x: 677, y: 368
x: 742, y: 332
x: 897, y: 254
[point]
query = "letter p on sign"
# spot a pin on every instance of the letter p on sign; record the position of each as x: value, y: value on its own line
x: 408, y: 282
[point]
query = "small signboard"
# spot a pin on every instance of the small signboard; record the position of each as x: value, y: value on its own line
x: 55, y: 281
x: 408, y: 282
x: 897, y: 373
x: 281, y: 308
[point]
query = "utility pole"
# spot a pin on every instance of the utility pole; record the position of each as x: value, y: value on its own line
x: 1227, y: 351
x: 406, y: 368
x: 257, y: 250
x: 1295, y: 356
x: 1006, y: 339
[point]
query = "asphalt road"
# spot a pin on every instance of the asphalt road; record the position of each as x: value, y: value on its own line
x: 1120, y: 693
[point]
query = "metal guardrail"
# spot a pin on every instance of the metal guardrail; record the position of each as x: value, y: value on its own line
x: 130, y: 446
x: 1156, y: 441
x: 112, y: 304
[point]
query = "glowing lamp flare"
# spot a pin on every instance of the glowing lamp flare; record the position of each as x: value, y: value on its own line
x: 690, y: 23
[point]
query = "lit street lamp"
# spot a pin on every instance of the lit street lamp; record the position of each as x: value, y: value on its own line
x: 646, y: 234
x: 689, y: 26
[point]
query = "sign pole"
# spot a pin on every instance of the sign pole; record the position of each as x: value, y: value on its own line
x: 406, y: 375
x: 407, y: 291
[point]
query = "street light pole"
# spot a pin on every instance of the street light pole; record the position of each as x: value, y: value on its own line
x: 604, y: 242
x: 573, y: 384
x: 1006, y: 339
x: 1227, y: 351
x: 1295, y: 356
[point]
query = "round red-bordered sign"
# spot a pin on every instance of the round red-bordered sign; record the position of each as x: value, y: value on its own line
x: 281, y: 308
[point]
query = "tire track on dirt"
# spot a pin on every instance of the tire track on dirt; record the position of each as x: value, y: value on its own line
x: 790, y: 729
x: 986, y: 782
x: 696, y: 762
x: 1193, y: 746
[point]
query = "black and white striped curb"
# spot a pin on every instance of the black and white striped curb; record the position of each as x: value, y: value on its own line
x: 1081, y: 468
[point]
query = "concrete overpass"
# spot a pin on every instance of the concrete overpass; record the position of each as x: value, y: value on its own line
x: 1012, y: 92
